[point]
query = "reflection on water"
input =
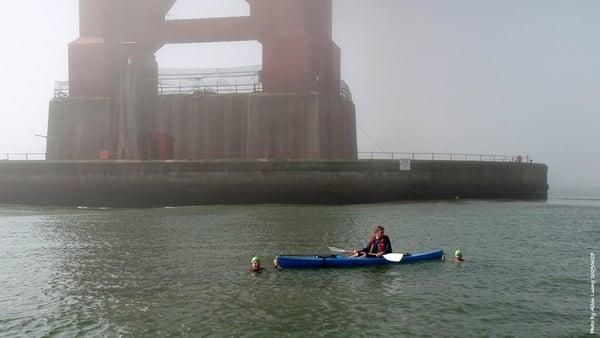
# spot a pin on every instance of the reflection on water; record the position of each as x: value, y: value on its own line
x: 184, y: 270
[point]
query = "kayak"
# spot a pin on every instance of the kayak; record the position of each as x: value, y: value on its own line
x: 297, y: 262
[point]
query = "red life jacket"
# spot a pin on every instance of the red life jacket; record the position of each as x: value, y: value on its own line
x: 381, y: 245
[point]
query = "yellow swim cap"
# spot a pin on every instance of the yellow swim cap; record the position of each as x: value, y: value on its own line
x: 255, y: 259
x: 458, y: 253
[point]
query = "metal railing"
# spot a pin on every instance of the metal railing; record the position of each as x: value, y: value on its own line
x: 345, y: 91
x: 361, y: 155
x: 61, y: 89
x: 211, y: 82
x: 226, y: 81
x: 439, y: 156
x: 22, y: 156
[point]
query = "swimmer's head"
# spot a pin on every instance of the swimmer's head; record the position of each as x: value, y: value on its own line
x: 255, y: 263
x: 458, y: 255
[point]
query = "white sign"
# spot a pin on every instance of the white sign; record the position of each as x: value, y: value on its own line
x: 405, y: 165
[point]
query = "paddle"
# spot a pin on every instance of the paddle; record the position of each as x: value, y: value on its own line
x: 333, y: 249
x: 392, y: 257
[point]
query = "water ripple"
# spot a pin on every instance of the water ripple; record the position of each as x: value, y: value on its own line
x: 183, y: 271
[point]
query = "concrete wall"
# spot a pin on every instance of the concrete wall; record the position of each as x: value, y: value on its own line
x: 337, y: 128
x: 81, y: 127
x: 147, y: 184
x: 203, y: 126
x: 252, y: 126
x: 209, y: 126
x: 284, y: 126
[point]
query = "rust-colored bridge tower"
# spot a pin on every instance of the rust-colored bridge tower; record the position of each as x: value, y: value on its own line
x: 299, y: 114
x: 295, y: 34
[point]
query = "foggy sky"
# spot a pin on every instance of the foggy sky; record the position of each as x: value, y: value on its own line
x: 500, y: 77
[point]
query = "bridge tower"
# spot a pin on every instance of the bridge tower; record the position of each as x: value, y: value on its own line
x: 113, y: 74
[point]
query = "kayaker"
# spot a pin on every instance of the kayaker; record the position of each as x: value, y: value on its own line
x: 379, y: 245
x: 255, y: 266
x: 458, y: 256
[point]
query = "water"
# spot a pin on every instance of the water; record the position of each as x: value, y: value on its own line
x: 183, y: 271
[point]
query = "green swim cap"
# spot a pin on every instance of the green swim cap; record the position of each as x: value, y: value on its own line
x: 458, y: 253
x: 255, y: 259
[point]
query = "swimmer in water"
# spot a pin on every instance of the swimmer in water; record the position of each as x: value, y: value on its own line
x: 458, y: 256
x: 255, y: 266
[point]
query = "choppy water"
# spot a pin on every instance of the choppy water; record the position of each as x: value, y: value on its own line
x: 183, y: 271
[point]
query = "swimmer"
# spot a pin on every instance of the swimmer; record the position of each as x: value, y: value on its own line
x: 458, y: 256
x: 255, y: 266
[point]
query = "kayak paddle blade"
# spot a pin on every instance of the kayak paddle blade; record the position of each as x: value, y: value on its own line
x: 393, y: 257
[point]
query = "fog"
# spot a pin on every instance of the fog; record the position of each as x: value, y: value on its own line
x: 469, y: 76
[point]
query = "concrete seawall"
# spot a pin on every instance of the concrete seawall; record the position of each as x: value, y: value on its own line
x: 153, y: 184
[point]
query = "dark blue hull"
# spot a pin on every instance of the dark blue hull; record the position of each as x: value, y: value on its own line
x: 291, y: 262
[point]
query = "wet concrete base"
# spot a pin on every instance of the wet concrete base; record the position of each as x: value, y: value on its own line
x: 181, y: 183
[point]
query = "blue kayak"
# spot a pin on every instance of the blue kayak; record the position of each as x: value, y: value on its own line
x: 295, y: 262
